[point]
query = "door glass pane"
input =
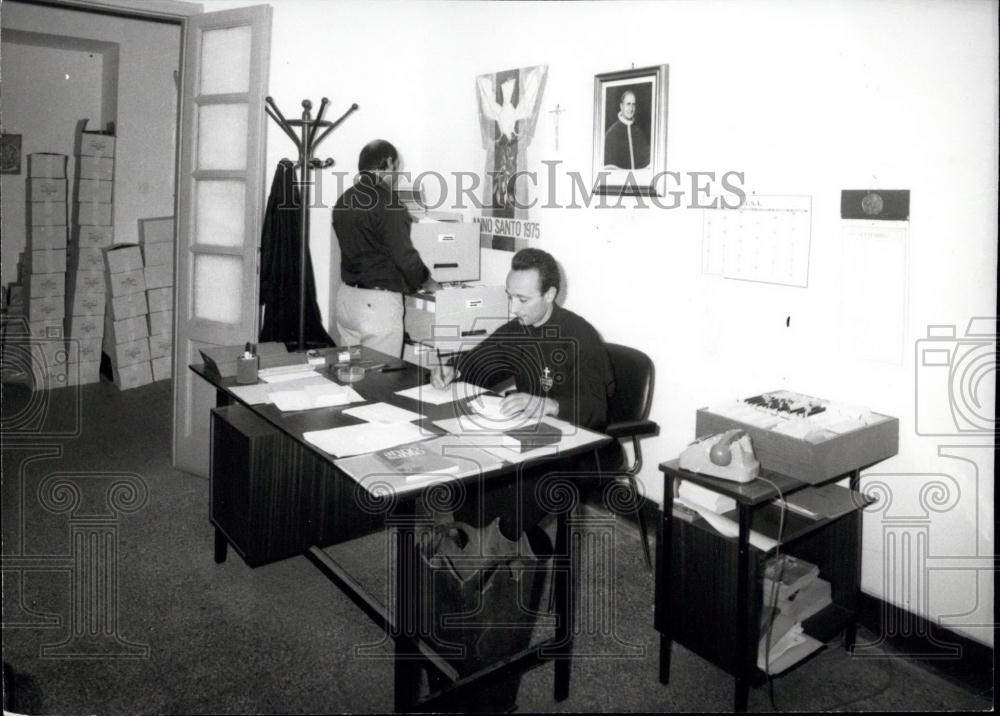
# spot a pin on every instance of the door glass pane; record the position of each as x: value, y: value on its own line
x: 222, y: 136
x: 218, y: 288
x: 225, y: 60
x: 219, y: 213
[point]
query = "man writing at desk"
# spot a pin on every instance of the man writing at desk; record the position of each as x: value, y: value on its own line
x: 555, y: 359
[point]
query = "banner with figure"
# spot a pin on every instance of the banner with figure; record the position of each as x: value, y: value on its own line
x: 508, y: 112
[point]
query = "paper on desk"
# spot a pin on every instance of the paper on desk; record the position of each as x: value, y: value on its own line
x: 259, y: 392
x: 367, y: 437
x: 439, y: 396
x: 307, y: 371
x: 478, y: 424
x: 314, y: 396
x: 728, y: 528
x: 383, y: 413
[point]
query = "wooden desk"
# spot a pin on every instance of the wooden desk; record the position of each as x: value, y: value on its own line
x: 302, y: 502
x: 709, y: 587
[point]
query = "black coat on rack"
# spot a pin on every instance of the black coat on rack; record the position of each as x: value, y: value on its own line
x: 280, y: 270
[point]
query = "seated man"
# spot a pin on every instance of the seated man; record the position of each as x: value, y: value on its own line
x: 555, y: 359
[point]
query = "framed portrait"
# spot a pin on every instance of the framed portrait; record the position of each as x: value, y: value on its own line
x: 630, y: 131
x: 10, y: 153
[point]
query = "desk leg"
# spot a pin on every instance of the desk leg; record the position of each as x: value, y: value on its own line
x: 851, y: 631
x: 221, y: 546
x: 664, y: 564
x: 744, y: 643
x: 563, y: 573
x: 406, y: 674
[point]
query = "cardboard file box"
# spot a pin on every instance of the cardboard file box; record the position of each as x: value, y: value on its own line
x: 161, y: 345
x: 86, y: 259
x: 51, y: 308
x: 83, y: 350
x: 96, y: 168
x: 42, y: 285
x: 122, y: 284
x: 161, y: 322
x: 95, y: 144
x: 94, y: 236
x: 157, y: 230
x: 93, y: 214
x: 123, y: 257
x: 808, y: 461
x: 49, y: 353
x: 128, y: 306
x: 85, y: 326
x: 47, y: 165
x: 86, y: 282
x: 159, y: 254
x: 132, y: 376
x: 160, y: 299
x: 44, y: 238
x: 48, y: 189
x: 46, y: 261
x: 94, y: 190
x: 83, y: 373
x: 123, y: 354
x: 86, y: 303
x: 48, y: 330
x: 47, y: 213
x: 162, y: 368
x: 159, y: 276
x: 124, y: 331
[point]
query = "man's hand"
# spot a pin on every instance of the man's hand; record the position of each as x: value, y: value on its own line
x: 442, y: 376
x: 430, y: 286
x: 528, y: 404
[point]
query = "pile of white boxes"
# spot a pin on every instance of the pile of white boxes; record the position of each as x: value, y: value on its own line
x: 42, y: 271
x: 93, y: 231
x: 126, y: 332
x: 157, y: 239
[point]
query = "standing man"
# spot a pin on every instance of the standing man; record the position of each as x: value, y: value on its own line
x: 555, y: 360
x: 625, y: 143
x: 378, y: 263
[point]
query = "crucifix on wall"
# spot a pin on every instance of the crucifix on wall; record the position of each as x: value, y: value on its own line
x: 557, y: 111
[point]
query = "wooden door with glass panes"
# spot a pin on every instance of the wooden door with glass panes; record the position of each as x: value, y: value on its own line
x: 220, y: 199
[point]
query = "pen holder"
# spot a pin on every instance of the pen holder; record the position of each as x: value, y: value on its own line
x: 246, y: 369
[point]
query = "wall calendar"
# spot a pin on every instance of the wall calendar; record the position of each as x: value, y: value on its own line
x: 766, y: 239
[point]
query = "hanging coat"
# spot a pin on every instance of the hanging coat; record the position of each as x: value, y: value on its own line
x: 280, y: 273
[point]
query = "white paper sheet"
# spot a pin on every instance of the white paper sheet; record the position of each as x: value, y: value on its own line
x: 306, y: 372
x: 435, y: 396
x: 259, y: 392
x: 383, y: 413
x: 367, y: 437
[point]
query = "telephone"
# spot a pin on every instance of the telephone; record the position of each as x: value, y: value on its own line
x: 728, y: 455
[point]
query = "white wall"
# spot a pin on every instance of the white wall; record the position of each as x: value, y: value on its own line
x: 146, y: 114
x: 805, y: 98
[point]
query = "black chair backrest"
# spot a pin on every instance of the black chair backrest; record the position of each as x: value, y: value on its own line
x: 634, y: 376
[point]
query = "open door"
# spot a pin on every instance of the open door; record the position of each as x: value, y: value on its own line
x: 220, y: 199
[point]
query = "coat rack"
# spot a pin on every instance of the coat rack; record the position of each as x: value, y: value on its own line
x: 306, y: 144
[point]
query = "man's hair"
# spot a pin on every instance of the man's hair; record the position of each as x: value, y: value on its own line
x: 541, y: 261
x: 625, y: 94
x: 375, y: 154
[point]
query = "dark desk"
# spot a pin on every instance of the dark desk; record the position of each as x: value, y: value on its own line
x: 708, y: 586
x: 302, y: 502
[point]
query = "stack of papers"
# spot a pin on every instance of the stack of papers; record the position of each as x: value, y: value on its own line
x: 310, y: 390
x: 383, y: 413
x: 439, y: 396
x: 364, y: 438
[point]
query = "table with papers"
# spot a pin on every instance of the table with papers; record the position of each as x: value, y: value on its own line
x: 320, y: 441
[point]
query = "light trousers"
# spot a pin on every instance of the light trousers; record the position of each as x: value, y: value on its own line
x: 367, y: 317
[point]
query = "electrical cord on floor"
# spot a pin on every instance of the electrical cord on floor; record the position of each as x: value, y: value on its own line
x: 840, y: 705
x: 773, y: 597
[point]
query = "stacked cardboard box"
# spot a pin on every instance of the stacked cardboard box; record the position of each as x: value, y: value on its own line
x: 43, y: 266
x: 157, y: 239
x: 126, y: 331
x: 92, y: 233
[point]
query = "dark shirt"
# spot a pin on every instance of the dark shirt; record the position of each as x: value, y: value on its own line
x: 616, y: 152
x: 373, y: 230
x: 567, y: 345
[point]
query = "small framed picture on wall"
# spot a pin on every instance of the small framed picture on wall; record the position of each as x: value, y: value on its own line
x: 630, y: 131
x: 10, y: 153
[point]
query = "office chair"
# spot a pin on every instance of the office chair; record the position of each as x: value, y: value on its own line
x: 628, y: 417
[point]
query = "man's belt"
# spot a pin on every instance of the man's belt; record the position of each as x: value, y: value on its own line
x: 366, y: 287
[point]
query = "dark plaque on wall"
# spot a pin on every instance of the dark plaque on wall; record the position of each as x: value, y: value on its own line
x: 10, y: 153
x: 875, y: 204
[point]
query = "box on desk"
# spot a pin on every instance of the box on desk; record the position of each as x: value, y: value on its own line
x: 820, y: 458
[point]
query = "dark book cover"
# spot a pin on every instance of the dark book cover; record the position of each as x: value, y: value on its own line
x: 531, y: 437
x: 416, y: 459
